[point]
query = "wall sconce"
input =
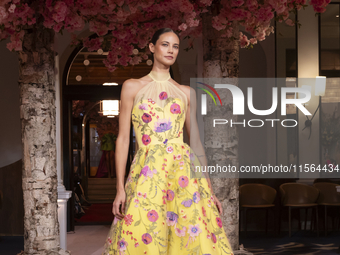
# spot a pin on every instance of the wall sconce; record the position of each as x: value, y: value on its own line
x: 319, y: 90
x: 109, y: 107
x: 320, y: 85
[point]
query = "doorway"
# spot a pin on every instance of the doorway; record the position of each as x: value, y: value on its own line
x: 89, y: 171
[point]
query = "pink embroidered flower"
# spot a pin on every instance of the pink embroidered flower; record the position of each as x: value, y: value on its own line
x: 143, y: 106
x: 128, y: 219
x: 146, y: 139
x: 219, y: 222
x: 179, y: 156
x: 146, y: 238
x: 144, y: 195
x: 183, y: 181
x: 170, y: 195
x: 169, y: 149
x: 175, y: 108
x: 194, y: 230
x: 180, y: 232
x: 152, y: 215
x: 146, y: 117
x: 163, y: 95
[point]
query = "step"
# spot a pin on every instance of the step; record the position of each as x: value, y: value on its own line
x: 98, y: 192
x: 102, y: 187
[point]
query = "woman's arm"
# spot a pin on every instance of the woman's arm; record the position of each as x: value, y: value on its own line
x: 193, y: 133
x: 122, y: 144
x: 123, y: 138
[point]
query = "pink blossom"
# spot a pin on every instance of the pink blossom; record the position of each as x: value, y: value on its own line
x: 11, y: 8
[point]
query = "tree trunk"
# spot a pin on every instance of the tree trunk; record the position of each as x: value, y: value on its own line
x: 37, y: 114
x: 221, y: 60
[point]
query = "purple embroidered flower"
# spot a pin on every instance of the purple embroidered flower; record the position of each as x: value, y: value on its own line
x: 165, y: 142
x: 152, y: 215
x: 171, y: 218
x: 175, y: 108
x: 194, y: 230
x: 213, y: 237
x: 146, y: 139
x: 183, y: 181
x: 163, y: 95
x: 144, y: 171
x: 196, y: 197
x: 122, y: 244
x: 170, y: 195
x: 143, y: 106
x: 162, y: 125
x: 146, y: 117
x: 187, y: 203
x: 146, y: 238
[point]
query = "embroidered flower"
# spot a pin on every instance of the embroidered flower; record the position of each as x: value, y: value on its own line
x: 175, y: 108
x: 170, y: 195
x: 152, y: 215
x: 183, y: 181
x: 179, y: 156
x: 143, y: 106
x: 128, y: 219
x: 122, y: 244
x: 146, y: 139
x: 180, y: 232
x: 196, y: 197
x: 169, y: 149
x: 187, y: 203
x: 194, y: 230
x: 213, y: 236
x: 163, y: 95
x: 146, y: 117
x: 171, y: 218
x: 219, y: 222
x: 162, y: 125
x: 146, y: 238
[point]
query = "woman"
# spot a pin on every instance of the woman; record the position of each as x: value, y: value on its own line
x: 162, y: 209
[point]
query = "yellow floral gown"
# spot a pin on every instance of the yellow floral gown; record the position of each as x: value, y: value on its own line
x: 167, y: 210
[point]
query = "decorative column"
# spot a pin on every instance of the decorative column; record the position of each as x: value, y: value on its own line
x: 63, y: 194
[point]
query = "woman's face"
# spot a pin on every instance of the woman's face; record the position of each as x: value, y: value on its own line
x: 166, y: 45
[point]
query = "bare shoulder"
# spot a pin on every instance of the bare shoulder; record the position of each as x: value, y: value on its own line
x: 133, y: 85
x: 189, y: 91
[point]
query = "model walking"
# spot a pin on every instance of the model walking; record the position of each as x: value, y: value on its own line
x: 162, y: 209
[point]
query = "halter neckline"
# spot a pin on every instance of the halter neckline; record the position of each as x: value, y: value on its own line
x: 159, y: 76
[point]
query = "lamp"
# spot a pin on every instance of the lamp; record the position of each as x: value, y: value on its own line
x: 320, y: 89
x: 109, y: 107
x: 320, y: 85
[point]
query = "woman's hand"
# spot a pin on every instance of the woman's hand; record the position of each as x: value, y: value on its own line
x: 119, y: 200
x: 218, y: 204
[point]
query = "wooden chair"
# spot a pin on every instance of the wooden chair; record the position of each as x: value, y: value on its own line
x: 297, y: 195
x: 328, y: 197
x: 256, y: 196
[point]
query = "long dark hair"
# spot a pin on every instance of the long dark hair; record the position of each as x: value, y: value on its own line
x: 158, y: 33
